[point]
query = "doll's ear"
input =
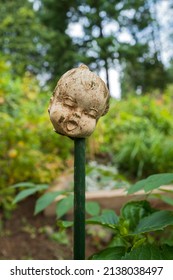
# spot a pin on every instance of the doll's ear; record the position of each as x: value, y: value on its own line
x: 106, y: 107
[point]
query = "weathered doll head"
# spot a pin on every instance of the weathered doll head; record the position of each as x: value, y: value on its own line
x: 79, y: 100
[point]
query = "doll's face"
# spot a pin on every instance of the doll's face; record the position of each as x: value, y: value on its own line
x: 74, y: 110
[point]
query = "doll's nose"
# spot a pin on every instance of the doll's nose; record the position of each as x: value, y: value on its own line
x: 77, y: 114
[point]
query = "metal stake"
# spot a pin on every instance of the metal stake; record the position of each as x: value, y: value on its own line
x: 79, y: 199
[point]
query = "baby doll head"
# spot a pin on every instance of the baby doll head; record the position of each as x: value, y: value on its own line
x: 79, y: 100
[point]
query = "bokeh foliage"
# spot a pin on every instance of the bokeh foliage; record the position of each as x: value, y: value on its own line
x: 118, y: 34
x: 135, y: 136
x: 29, y: 148
x: 138, y: 132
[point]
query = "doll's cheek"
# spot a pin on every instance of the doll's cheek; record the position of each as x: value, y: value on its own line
x: 87, y: 123
x: 57, y: 111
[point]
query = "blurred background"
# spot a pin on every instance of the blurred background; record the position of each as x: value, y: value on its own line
x: 129, y: 43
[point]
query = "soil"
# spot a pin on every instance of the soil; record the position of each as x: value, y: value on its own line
x: 25, y: 236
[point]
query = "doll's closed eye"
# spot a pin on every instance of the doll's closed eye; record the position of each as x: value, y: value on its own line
x: 69, y: 102
x: 92, y: 113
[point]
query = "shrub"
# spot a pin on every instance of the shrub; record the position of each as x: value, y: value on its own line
x: 138, y: 133
x: 137, y: 233
x: 29, y: 149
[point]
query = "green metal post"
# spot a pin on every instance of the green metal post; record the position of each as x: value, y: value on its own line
x: 79, y: 199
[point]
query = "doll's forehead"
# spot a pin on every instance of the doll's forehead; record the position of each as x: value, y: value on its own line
x: 81, y: 96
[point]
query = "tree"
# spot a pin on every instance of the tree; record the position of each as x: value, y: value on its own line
x: 22, y: 38
x: 142, y: 66
x: 36, y: 39
x: 138, y: 53
x: 98, y: 46
x: 119, y: 34
x: 61, y: 52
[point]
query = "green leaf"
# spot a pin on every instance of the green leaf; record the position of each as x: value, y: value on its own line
x: 134, y: 211
x: 152, y: 182
x: 119, y: 241
x: 92, y: 208
x: 167, y: 199
x: 23, y: 194
x: 137, y: 187
x: 113, y: 253
x: 167, y: 252
x: 64, y: 224
x: 139, y: 242
x: 41, y: 187
x: 108, y: 219
x: 158, y: 180
x: 156, y: 221
x: 23, y: 184
x: 150, y: 252
x: 64, y: 205
x: 45, y: 200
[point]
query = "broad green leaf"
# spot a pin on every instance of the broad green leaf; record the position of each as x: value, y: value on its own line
x: 156, y: 221
x: 113, y: 253
x: 64, y: 205
x: 158, y: 180
x: 134, y: 211
x: 150, y: 252
x: 92, y: 208
x: 41, y: 187
x: 167, y: 199
x: 23, y: 194
x: 24, y: 184
x: 108, y: 219
x: 45, y: 200
x: 137, y: 186
x: 152, y: 182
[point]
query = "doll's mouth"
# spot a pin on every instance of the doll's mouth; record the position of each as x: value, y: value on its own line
x: 71, y: 125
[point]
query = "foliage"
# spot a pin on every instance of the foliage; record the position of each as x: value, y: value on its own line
x: 60, y: 50
x: 101, y: 45
x: 22, y: 37
x: 6, y: 199
x: 28, y: 149
x: 134, y: 231
x: 30, y: 190
x: 142, y: 76
x: 138, y: 227
x: 153, y: 182
x: 36, y: 48
x: 138, y: 233
x: 138, y: 135
x: 64, y: 199
x: 141, y: 60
